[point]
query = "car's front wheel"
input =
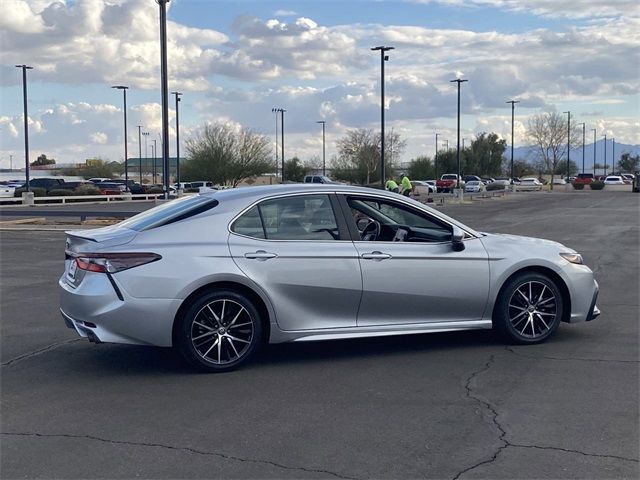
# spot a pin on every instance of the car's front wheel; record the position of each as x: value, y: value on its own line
x: 219, y: 331
x: 529, y: 308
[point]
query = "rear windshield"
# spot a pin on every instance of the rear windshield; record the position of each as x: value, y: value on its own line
x: 449, y: 177
x: 169, y: 212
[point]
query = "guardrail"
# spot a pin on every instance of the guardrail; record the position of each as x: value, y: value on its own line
x: 84, y: 198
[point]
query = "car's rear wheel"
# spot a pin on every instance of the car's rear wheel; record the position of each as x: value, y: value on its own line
x: 219, y: 331
x: 529, y: 308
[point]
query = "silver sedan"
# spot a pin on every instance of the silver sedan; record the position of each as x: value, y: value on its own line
x: 217, y: 274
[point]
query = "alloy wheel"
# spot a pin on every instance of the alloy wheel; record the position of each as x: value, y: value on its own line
x: 532, y: 309
x: 222, y: 331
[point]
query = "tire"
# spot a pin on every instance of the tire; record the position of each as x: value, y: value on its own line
x: 527, y: 316
x: 219, y: 331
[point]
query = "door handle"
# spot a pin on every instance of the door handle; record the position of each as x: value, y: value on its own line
x: 260, y: 255
x: 375, y: 256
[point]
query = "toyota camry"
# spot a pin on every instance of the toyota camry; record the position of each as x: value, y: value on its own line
x: 217, y: 274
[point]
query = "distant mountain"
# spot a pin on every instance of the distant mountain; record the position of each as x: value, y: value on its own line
x: 530, y: 154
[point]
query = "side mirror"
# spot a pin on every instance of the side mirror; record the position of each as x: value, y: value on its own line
x: 457, y: 237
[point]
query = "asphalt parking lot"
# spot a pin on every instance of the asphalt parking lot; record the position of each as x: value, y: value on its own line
x: 455, y: 405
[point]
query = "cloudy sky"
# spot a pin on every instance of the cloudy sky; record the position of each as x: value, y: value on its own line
x: 236, y: 60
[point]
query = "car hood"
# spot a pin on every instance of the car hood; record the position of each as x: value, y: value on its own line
x: 498, y: 244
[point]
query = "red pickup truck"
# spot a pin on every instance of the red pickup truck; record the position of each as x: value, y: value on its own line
x: 584, y: 178
x: 448, y: 182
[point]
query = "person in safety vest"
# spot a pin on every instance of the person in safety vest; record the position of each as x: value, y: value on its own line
x: 391, y: 186
x: 406, y: 185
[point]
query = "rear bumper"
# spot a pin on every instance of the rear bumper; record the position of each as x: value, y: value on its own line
x: 95, y: 311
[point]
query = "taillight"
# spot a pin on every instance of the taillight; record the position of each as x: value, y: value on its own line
x: 113, y: 262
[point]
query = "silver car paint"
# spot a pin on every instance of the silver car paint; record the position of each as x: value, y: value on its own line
x: 196, y: 253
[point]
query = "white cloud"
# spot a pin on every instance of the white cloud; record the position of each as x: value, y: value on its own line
x: 100, y: 138
x: 284, y: 13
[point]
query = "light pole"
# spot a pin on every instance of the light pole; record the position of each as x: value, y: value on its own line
x: 154, y: 149
x: 11, y: 162
x: 324, y: 170
x: 275, y: 110
x: 568, y: 141
x: 282, y: 110
x: 383, y: 58
x: 26, y: 122
x: 140, y: 151
x: 613, y: 157
x: 513, y: 108
x: 594, y: 152
x: 458, y: 81
x: 583, y: 132
x: 126, y: 153
x: 605, y: 156
x: 435, y: 161
x: 146, y: 154
x: 165, y: 96
x: 177, y: 94
x: 447, y: 142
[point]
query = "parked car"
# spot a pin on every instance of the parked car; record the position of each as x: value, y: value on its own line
x: 99, y: 179
x: 202, y: 183
x: 134, y: 188
x: 433, y: 184
x: 448, y: 182
x: 46, y: 183
x: 287, y: 263
x: 487, y: 180
x: 471, y: 178
x: 627, y: 178
x: 319, y: 179
x: 584, y: 178
x: 7, y: 191
x: 559, y: 181
x: 613, y: 180
x: 474, y: 186
x: 73, y: 185
x: 506, y: 181
x: 527, y: 184
x: 421, y: 187
x: 110, y: 188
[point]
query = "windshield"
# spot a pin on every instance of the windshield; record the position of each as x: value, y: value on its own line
x: 169, y: 212
x: 449, y: 177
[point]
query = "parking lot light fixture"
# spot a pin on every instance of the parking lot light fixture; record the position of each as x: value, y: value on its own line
x: 164, y: 84
x: 613, y: 157
x: 177, y: 95
x: 126, y: 153
x: 383, y: 58
x: 605, y: 154
x: 435, y: 160
x: 140, y: 151
x: 583, y: 132
x: 513, y: 108
x: 154, y: 149
x: 568, y: 141
x: 146, y: 153
x: 595, y: 140
x: 26, y: 122
x: 324, y: 169
x: 458, y: 81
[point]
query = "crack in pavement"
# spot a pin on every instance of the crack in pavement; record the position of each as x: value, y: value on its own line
x: 42, y: 350
x: 182, y: 449
x: 577, y: 359
x: 505, y: 443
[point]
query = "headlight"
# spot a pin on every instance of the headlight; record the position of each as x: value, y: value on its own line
x: 572, y: 257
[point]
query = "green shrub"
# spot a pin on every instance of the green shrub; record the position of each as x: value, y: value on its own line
x: 597, y: 185
x: 86, y: 190
x: 492, y: 187
x: 60, y: 192
x: 578, y: 186
x: 37, y: 192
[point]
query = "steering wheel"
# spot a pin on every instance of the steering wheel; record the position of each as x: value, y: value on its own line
x: 371, y: 232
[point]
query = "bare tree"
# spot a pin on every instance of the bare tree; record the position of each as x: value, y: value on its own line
x: 227, y: 155
x: 359, y: 148
x: 548, y: 133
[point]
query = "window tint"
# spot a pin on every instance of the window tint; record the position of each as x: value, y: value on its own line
x: 249, y: 224
x: 305, y: 217
x: 169, y: 212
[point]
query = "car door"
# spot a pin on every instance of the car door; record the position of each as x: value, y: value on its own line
x: 299, y: 252
x: 419, y: 278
